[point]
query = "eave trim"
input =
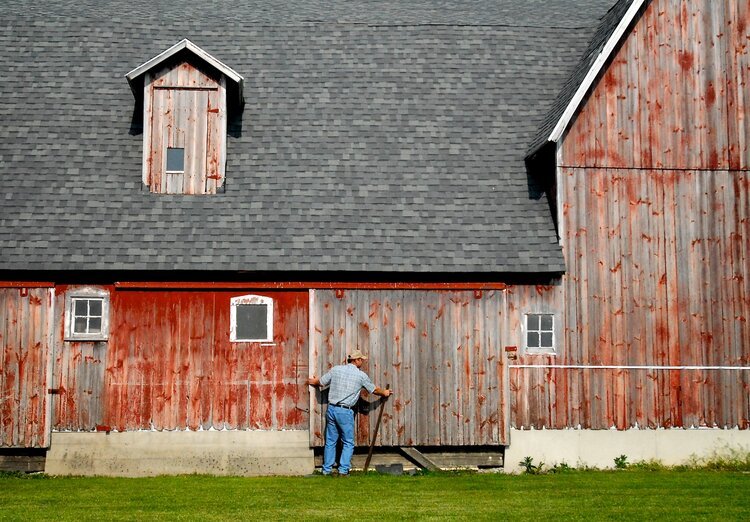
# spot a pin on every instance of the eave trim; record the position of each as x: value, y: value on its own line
x: 305, y: 285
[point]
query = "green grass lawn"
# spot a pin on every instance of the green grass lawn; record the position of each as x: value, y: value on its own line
x: 591, y: 495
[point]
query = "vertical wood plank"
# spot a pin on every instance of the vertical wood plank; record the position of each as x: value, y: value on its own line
x: 408, y: 394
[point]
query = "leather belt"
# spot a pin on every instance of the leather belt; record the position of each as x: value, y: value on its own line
x: 344, y: 406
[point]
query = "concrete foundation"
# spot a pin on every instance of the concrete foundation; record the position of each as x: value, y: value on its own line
x: 599, y: 448
x: 256, y: 453
x: 149, y: 453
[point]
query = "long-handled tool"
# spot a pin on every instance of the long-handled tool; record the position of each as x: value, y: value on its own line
x: 375, y: 434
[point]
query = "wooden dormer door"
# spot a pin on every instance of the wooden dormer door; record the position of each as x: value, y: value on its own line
x: 186, y: 131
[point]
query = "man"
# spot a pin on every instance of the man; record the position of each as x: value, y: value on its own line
x: 346, y: 381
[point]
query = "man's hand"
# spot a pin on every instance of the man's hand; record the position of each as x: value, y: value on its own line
x: 383, y: 393
x: 313, y: 381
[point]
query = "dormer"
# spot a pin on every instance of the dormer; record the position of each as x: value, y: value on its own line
x: 186, y: 93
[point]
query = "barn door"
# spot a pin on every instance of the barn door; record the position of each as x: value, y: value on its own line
x: 25, y: 356
x: 439, y: 350
x: 185, y: 131
x: 184, y: 138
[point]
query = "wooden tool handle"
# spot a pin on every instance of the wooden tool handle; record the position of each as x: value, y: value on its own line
x: 375, y: 434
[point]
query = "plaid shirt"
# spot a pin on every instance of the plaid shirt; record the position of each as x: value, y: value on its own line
x: 346, y: 381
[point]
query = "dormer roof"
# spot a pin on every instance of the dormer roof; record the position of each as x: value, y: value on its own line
x: 135, y: 77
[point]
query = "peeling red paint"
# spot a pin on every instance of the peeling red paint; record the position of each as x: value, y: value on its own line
x: 169, y: 364
x: 710, y: 94
x: 685, y: 59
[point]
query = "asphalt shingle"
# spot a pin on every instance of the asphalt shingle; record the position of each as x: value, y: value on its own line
x: 388, y: 141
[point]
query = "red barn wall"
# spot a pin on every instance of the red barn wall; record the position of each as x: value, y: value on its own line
x: 169, y: 364
x: 655, y: 223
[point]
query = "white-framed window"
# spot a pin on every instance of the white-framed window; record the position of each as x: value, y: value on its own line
x: 251, y: 318
x: 87, y: 315
x: 540, y: 333
x: 175, y: 159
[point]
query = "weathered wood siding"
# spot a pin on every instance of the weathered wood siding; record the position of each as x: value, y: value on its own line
x: 169, y: 364
x: 676, y: 95
x: 654, y: 194
x: 439, y: 350
x: 24, y: 367
x: 184, y: 107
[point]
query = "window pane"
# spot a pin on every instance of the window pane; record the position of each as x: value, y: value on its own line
x: 95, y: 325
x: 532, y: 322
x: 547, y: 322
x: 79, y: 326
x: 251, y: 321
x: 546, y: 340
x: 175, y: 159
x: 95, y: 307
x: 532, y: 340
x: 81, y: 307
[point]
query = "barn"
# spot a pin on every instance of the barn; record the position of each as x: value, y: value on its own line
x: 533, y: 216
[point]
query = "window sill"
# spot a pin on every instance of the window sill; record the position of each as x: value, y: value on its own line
x: 85, y: 339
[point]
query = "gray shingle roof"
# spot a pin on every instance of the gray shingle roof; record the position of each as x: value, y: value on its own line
x: 515, y: 13
x: 363, y: 146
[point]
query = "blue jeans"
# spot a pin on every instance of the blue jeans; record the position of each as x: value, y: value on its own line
x: 339, y: 423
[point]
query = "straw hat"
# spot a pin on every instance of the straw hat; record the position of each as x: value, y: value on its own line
x: 356, y: 354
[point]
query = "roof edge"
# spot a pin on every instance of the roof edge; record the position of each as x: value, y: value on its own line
x: 593, y: 72
x: 223, y: 68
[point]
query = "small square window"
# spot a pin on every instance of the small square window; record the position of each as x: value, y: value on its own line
x: 87, y: 318
x: 540, y: 333
x: 251, y: 319
x: 175, y: 159
x: 87, y: 315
